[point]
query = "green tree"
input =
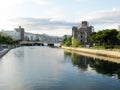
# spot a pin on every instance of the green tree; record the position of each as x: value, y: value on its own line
x: 113, y: 37
x: 118, y: 36
x: 93, y: 37
x: 0, y: 39
x: 68, y: 42
x: 99, y: 37
x: 75, y: 43
x: 7, y: 40
x: 106, y: 37
x: 64, y: 39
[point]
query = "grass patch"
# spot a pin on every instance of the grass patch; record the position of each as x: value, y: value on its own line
x: 97, y: 47
x: 117, y: 46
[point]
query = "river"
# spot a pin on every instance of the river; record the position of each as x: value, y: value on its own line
x: 45, y: 68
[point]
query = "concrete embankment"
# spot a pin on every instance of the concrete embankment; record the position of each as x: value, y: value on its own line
x: 4, y: 51
x: 105, y: 53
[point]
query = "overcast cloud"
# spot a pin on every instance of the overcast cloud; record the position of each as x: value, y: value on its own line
x: 103, y: 17
x: 43, y: 25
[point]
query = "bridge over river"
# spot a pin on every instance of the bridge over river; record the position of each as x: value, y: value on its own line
x: 31, y: 43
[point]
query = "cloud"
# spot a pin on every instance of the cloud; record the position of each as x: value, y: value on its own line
x: 8, y: 7
x: 50, y: 10
x: 38, y: 25
x: 82, y: 0
x: 42, y: 2
x: 55, y: 14
x: 8, y: 10
x: 103, y: 17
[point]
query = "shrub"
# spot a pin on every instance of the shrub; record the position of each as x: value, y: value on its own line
x: 75, y: 43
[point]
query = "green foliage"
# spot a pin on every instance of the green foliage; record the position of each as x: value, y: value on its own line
x: 82, y: 45
x: 118, y: 36
x: 93, y: 37
x: 107, y: 37
x: 97, y: 47
x: 68, y: 42
x: 64, y: 39
x: 7, y: 40
x: 75, y: 43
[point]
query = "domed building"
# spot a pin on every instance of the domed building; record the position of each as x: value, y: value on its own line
x: 82, y: 32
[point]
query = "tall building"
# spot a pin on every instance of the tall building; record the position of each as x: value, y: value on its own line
x: 20, y: 33
x: 82, y: 32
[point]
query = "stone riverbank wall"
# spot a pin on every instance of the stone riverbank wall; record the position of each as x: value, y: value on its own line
x: 105, y: 53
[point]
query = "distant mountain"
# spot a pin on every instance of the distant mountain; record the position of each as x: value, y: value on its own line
x: 45, y: 37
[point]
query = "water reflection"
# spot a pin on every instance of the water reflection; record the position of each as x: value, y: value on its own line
x: 45, y: 68
x: 100, y: 66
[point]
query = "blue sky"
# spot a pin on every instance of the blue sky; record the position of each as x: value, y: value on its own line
x: 56, y: 17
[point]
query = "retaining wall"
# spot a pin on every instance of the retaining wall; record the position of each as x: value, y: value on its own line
x: 112, y: 54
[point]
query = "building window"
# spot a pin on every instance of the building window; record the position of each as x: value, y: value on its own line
x: 81, y: 36
x: 81, y: 41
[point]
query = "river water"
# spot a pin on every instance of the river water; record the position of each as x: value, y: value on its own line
x: 45, y: 68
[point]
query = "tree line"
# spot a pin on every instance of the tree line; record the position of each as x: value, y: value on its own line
x: 68, y: 41
x: 108, y: 38
x: 7, y: 40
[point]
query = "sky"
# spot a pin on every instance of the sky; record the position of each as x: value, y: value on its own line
x: 57, y: 17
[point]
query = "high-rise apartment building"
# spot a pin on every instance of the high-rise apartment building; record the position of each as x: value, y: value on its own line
x: 20, y: 33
